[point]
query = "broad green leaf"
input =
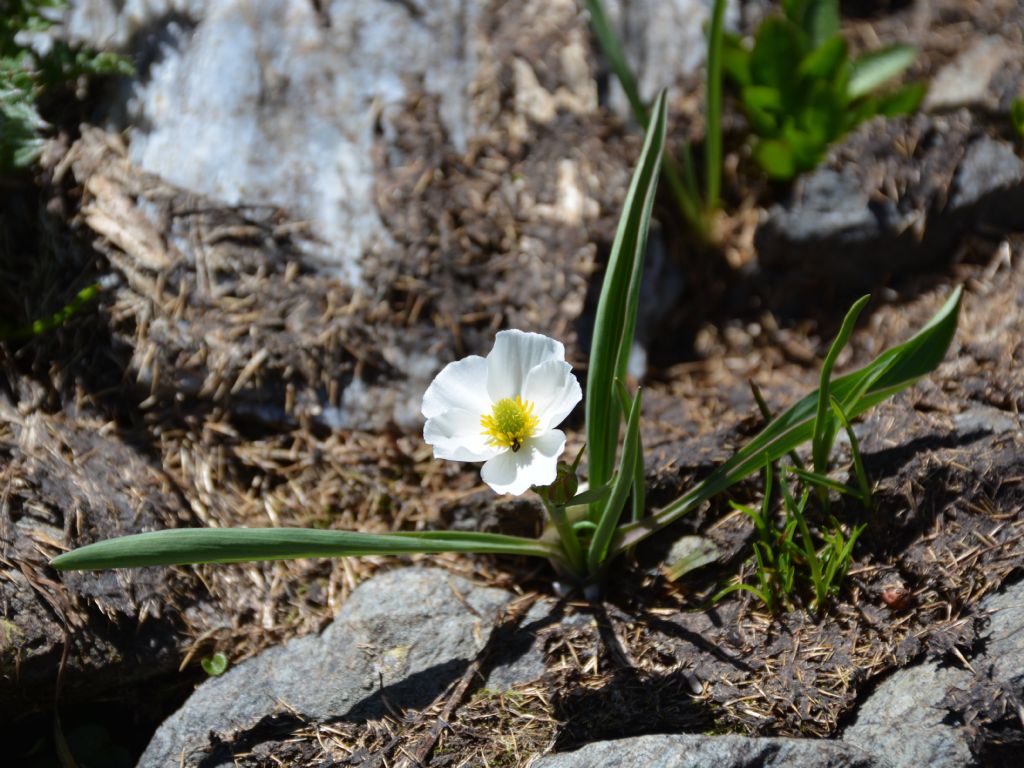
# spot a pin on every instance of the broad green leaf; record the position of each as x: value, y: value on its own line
x: 736, y: 60
x: 878, y: 67
x: 821, y: 20
x: 185, y: 546
x: 807, y: 148
x: 763, y: 123
x: 778, y: 50
x: 904, y: 100
x: 615, y: 320
x: 775, y: 156
x: 762, y: 97
x: 860, y: 110
x: 892, y: 371
x: 688, y: 554
x: 824, y: 62
x: 824, y: 110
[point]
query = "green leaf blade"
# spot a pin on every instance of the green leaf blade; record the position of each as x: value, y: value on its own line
x: 189, y: 546
x: 874, y: 69
x: 615, y: 320
x: 890, y: 372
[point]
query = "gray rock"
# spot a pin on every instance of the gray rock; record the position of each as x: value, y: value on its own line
x: 873, y: 209
x: 278, y: 102
x: 985, y: 418
x: 990, y: 179
x: 833, y: 204
x: 696, y: 751
x: 965, y: 80
x: 398, y: 642
x: 908, y: 718
x: 904, y: 718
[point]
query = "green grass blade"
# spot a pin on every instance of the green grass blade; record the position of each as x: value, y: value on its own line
x: 615, y: 320
x: 893, y: 370
x: 184, y: 546
x: 858, y: 460
x: 639, y: 478
x: 823, y: 481
x: 611, y: 511
x: 609, y: 42
x: 713, y: 109
x: 824, y: 423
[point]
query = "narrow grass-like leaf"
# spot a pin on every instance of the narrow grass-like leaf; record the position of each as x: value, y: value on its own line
x: 682, y: 183
x: 893, y: 370
x: 615, y: 320
x: 877, y: 67
x: 184, y: 546
x: 609, y: 42
x: 858, y: 460
x: 589, y: 496
x: 824, y: 424
x: 713, y: 110
x: 823, y: 481
x: 611, y: 511
x: 639, y: 478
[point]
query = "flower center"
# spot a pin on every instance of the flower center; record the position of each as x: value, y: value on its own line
x: 510, y: 423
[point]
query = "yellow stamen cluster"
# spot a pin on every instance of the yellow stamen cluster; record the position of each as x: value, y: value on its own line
x: 510, y: 423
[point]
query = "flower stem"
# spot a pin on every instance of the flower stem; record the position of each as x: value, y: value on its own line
x: 570, y: 542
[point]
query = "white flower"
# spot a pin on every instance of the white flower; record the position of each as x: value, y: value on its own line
x: 503, y: 410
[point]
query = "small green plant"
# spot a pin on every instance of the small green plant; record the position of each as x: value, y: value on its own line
x: 698, y: 208
x: 215, y: 665
x: 27, y: 76
x: 49, y: 322
x: 1017, y: 117
x: 800, y: 90
x: 786, y: 556
x: 504, y: 410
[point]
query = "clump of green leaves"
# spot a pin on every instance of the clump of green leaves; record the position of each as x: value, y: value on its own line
x: 801, y: 91
x: 28, y: 75
x: 786, y: 555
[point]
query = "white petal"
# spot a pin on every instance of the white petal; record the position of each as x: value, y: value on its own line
x: 554, y: 392
x: 460, y: 385
x: 536, y: 463
x: 456, y: 435
x: 514, y: 354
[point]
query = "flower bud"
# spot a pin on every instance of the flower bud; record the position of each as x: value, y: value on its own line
x: 562, y: 490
